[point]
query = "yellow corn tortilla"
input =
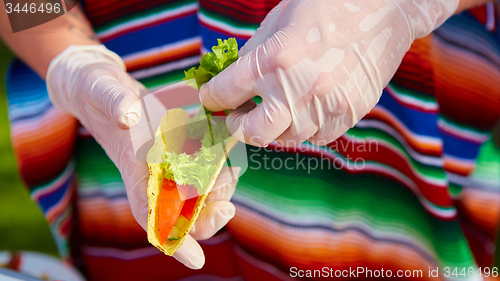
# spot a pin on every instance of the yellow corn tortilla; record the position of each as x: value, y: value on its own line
x: 172, y: 122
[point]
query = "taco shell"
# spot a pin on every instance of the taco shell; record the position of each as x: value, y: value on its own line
x: 173, y: 122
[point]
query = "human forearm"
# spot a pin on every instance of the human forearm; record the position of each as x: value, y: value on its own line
x: 37, y: 46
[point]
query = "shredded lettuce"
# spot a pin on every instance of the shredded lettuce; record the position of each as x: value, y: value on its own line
x: 198, y: 169
x: 223, y: 55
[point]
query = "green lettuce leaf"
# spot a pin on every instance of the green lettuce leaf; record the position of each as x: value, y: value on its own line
x: 197, y: 171
x: 211, y: 64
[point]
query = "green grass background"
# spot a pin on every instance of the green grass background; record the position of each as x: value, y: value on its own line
x: 22, y: 225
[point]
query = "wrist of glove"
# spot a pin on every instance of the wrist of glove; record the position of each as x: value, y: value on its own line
x: 319, y: 66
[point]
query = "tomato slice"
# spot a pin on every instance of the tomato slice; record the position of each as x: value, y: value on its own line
x: 190, y: 204
x: 219, y: 113
x: 172, y: 199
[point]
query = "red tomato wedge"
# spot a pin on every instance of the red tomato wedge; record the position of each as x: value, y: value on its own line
x: 190, y: 204
x: 172, y: 199
x: 219, y: 113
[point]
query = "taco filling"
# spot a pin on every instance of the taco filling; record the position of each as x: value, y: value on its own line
x: 187, y: 174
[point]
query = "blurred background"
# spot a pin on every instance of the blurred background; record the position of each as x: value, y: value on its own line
x: 22, y: 225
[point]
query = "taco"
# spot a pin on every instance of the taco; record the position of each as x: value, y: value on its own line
x: 184, y: 162
x: 186, y: 158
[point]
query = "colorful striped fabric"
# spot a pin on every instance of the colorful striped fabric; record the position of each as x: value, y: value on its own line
x: 415, y: 184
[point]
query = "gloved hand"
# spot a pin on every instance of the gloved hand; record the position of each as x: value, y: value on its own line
x: 90, y: 82
x: 319, y: 66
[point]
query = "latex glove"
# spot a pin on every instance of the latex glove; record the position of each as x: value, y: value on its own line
x: 319, y: 66
x: 90, y: 82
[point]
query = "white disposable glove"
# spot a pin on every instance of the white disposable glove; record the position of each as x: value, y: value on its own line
x: 90, y: 82
x: 319, y: 66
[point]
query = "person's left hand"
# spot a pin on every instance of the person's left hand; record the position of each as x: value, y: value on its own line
x: 90, y: 82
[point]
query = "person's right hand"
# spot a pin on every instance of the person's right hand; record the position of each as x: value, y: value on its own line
x: 319, y: 66
x: 90, y: 82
